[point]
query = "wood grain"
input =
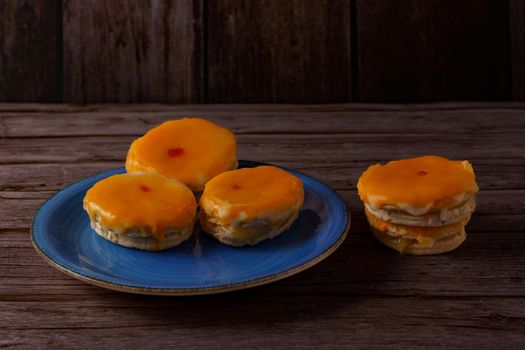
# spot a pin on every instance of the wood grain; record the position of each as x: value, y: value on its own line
x: 351, y: 271
x: 268, y: 51
x: 298, y: 148
x: 139, y: 51
x: 29, y: 63
x: 517, y: 49
x: 75, y: 120
x: 257, y: 108
x: 297, y: 323
x: 432, y: 50
x: 273, y: 51
x: 364, y: 295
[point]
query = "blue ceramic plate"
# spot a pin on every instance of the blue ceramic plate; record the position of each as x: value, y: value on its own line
x: 62, y: 236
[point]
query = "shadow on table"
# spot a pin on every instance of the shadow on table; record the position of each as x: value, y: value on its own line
x: 356, y: 269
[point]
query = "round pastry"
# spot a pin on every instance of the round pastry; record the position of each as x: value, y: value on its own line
x: 249, y: 205
x: 190, y: 150
x: 421, y: 205
x: 144, y: 211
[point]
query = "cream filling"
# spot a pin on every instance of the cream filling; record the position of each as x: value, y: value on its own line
x: 143, y: 239
x: 423, y: 240
x: 220, y: 212
x: 373, y: 202
x: 402, y: 242
x: 443, y: 217
x: 251, y: 232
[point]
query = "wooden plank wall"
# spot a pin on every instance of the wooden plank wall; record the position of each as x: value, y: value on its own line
x: 133, y: 51
x: 298, y: 51
x: 29, y: 60
x: 517, y: 36
x: 433, y: 49
x: 279, y: 51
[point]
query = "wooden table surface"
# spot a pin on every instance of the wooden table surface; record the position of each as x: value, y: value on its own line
x: 364, y: 295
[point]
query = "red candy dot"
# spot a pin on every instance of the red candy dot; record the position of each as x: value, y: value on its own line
x: 236, y: 187
x: 175, y: 152
x: 145, y: 188
x: 422, y: 173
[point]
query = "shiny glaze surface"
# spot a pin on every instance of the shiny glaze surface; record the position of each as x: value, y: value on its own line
x: 62, y: 235
x: 251, y: 193
x: 191, y: 150
x: 141, y: 201
x: 421, y: 182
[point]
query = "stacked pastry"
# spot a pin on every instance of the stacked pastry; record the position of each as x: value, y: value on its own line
x: 421, y: 205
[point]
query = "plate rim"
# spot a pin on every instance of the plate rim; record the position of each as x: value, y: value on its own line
x: 188, y: 291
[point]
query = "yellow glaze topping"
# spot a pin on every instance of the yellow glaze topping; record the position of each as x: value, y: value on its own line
x: 251, y: 193
x: 141, y: 201
x: 422, y: 182
x: 190, y: 150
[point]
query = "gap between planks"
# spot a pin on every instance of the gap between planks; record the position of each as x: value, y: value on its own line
x: 156, y: 107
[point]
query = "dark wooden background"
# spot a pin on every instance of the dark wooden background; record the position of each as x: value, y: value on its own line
x: 295, y: 51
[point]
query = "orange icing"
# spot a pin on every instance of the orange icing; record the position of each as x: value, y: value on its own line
x: 190, y: 150
x: 253, y: 191
x: 144, y: 201
x: 419, y: 182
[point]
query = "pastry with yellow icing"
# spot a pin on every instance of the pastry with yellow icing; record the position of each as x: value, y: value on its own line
x: 420, y: 205
x: 190, y: 150
x: 144, y: 211
x: 249, y: 205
